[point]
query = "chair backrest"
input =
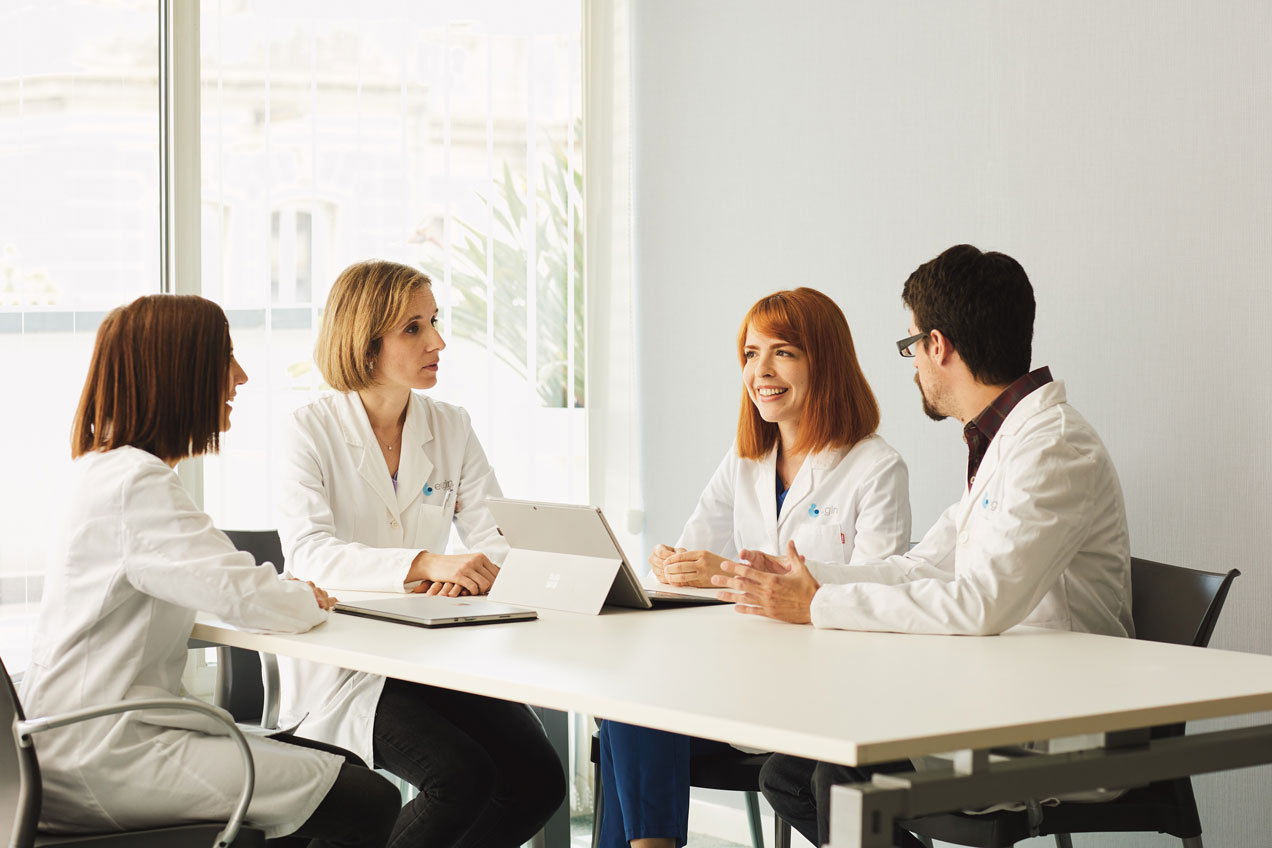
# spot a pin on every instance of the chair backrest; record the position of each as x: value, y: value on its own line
x: 239, y: 687
x: 262, y: 544
x: 20, y: 790
x: 1173, y: 604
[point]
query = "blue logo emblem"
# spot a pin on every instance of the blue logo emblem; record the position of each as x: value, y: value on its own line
x: 985, y: 502
x: 428, y: 490
x: 813, y: 510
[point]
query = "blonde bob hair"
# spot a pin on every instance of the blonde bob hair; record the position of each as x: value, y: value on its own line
x: 366, y: 301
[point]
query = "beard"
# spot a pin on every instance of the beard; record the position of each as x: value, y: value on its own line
x: 928, y: 409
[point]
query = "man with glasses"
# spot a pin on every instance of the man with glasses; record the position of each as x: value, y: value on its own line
x: 1037, y: 537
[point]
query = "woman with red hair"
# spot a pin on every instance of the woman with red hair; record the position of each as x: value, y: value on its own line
x: 808, y: 467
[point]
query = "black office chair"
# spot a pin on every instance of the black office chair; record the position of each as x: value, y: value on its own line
x: 735, y: 771
x: 21, y: 792
x: 246, y: 681
x: 1168, y: 604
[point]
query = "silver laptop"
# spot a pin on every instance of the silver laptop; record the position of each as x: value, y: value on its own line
x: 566, y: 557
x: 435, y: 611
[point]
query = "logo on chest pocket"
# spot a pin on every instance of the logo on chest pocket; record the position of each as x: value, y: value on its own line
x: 444, y: 486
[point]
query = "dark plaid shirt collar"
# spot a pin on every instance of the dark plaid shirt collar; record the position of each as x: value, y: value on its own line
x: 980, y: 431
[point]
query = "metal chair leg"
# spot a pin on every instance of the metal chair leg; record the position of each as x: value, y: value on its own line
x: 754, y: 820
x: 1063, y: 840
x: 1192, y: 842
x: 598, y: 805
x: 927, y: 842
x: 781, y: 832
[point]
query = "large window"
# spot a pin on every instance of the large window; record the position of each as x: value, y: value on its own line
x: 443, y: 135
x: 79, y: 234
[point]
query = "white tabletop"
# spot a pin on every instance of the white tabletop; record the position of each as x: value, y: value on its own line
x: 831, y: 695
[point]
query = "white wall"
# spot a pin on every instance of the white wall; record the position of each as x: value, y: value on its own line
x: 1120, y: 151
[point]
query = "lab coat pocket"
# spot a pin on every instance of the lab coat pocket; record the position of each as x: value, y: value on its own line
x: 432, y: 529
x: 822, y: 543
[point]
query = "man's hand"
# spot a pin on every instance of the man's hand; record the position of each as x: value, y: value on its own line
x: 786, y: 595
x: 767, y: 563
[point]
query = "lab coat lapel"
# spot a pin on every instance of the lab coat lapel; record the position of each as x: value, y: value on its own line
x: 766, y: 495
x: 414, y: 467
x: 371, y: 465
x: 988, y: 467
x: 1032, y: 404
x: 802, y: 487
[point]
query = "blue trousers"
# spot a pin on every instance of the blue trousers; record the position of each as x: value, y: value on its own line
x: 645, y: 781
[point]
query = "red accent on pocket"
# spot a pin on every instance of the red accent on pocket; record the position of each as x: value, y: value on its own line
x: 843, y: 540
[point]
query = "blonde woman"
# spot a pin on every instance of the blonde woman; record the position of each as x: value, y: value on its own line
x: 374, y: 479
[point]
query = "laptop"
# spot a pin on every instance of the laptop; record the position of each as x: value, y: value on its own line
x: 566, y: 557
x: 436, y: 611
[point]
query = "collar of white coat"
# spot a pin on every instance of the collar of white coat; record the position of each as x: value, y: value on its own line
x: 355, y: 426
x: 414, y: 465
x: 1043, y: 397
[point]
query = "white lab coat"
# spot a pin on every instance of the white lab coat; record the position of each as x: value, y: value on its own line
x: 845, y: 505
x: 344, y: 527
x: 1039, y: 539
x: 136, y: 560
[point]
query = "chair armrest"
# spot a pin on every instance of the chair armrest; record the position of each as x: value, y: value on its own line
x: 26, y: 729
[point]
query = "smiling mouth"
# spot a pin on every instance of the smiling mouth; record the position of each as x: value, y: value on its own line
x: 769, y: 394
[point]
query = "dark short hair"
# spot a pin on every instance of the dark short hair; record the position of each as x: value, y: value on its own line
x: 157, y: 379
x: 983, y: 304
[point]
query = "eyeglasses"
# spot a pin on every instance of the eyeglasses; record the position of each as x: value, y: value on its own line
x: 906, y: 346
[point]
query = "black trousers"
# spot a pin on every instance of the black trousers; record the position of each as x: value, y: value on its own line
x: 799, y: 791
x: 486, y: 773
x: 358, y: 810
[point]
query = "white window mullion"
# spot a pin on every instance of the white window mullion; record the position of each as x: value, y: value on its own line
x: 180, y: 198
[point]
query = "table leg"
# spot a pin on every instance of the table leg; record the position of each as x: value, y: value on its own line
x: 862, y: 815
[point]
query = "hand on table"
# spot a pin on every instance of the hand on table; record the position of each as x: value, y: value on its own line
x: 772, y: 587
x: 472, y: 572
x: 448, y: 590
x: 659, y: 557
x: 691, y: 568
x: 324, y: 600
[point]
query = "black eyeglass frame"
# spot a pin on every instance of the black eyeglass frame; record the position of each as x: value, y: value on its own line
x: 908, y: 344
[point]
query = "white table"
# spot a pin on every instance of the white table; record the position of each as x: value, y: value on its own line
x: 845, y: 697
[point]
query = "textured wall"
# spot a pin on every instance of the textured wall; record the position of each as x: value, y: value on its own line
x: 1120, y: 151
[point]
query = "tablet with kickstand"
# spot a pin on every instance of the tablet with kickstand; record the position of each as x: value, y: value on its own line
x: 566, y: 557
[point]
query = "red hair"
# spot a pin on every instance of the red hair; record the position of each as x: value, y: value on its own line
x: 841, y: 410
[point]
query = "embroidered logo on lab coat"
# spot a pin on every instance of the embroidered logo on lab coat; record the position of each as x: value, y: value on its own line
x: 444, y: 486
x: 815, y: 510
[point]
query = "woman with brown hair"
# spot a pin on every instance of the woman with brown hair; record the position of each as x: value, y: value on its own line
x: 375, y: 478
x: 136, y: 561
x: 807, y: 465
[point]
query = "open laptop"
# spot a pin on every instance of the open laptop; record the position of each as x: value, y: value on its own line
x: 567, y: 558
x: 436, y: 611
